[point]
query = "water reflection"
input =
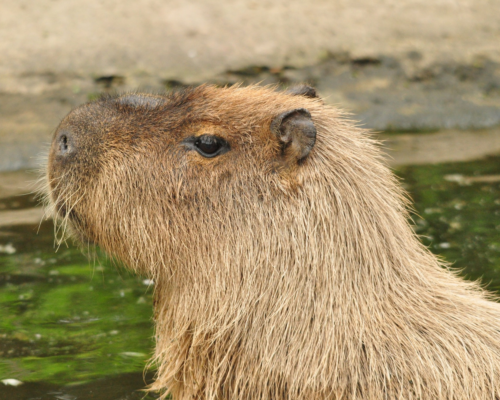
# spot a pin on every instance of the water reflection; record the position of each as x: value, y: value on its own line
x: 66, y: 320
x: 458, y: 208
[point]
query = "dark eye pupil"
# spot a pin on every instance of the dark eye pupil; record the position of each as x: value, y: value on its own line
x: 208, y: 144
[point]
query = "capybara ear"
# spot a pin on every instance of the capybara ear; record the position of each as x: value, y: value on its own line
x: 303, y: 90
x: 296, y: 132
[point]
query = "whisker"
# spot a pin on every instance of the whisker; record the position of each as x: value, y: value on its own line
x: 61, y: 224
x: 68, y: 212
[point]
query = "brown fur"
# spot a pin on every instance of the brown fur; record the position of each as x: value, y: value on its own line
x: 274, y: 279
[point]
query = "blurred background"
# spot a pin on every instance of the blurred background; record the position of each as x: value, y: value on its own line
x: 425, y: 75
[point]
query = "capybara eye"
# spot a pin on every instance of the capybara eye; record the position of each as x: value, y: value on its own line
x: 209, y: 145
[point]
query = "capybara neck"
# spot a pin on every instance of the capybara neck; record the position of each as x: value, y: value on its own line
x: 279, y: 242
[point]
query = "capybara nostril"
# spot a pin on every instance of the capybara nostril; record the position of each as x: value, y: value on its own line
x: 64, y: 144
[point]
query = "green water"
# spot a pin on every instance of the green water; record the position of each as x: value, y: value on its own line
x: 82, y: 329
x: 460, y: 221
x: 65, y: 320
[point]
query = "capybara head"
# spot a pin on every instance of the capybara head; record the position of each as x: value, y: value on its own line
x: 192, y: 157
x: 279, y: 243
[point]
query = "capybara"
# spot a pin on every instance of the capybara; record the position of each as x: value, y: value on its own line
x: 279, y: 243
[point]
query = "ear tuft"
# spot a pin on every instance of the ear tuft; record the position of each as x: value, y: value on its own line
x: 296, y: 132
x: 303, y: 90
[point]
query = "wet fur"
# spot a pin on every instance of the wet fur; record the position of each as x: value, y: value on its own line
x: 276, y: 279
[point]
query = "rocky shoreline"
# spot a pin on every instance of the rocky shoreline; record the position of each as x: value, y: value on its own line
x: 420, y: 66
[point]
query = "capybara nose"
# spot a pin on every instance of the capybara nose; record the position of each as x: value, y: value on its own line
x: 64, y: 144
